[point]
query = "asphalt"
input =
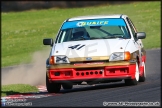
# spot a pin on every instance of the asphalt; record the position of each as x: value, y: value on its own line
x: 94, y: 96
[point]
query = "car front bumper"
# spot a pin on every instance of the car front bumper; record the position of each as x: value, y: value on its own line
x: 116, y: 72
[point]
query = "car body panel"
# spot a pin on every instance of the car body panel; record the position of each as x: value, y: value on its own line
x: 93, y: 55
x: 91, y: 48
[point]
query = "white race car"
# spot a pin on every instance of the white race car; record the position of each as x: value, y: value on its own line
x: 95, y: 49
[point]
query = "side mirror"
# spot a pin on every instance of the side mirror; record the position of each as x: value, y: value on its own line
x: 141, y: 35
x: 48, y: 41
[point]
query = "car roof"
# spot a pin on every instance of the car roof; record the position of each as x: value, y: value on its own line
x: 96, y: 17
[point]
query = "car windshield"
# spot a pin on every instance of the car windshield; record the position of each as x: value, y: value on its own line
x: 93, y: 29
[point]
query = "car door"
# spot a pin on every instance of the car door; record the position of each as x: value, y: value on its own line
x: 137, y: 42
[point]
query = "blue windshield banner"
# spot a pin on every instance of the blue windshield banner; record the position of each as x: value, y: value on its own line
x: 96, y: 22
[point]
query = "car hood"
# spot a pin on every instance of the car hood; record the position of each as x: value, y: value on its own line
x: 90, y: 48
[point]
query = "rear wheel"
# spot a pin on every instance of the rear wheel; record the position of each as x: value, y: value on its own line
x: 133, y: 81
x: 67, y: 86
x: 143, y: 77
x: 52, y: 87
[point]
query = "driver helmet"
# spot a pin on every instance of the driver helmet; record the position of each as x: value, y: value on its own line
x: 80, y: 32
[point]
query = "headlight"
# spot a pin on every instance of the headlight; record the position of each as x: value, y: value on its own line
x: 119, y: 56
x: 61, y: 59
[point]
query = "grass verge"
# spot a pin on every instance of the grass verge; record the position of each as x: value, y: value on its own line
x: 23, y: 32
x: 16, y: 89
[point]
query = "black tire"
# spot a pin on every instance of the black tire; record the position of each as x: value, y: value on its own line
x: 143, y: 77
x: 52, y: 87
x: 130, y: 82
x: 133, y: 81
x: 67, y: 86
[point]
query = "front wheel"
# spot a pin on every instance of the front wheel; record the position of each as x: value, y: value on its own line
x: 133, y: 81
x: 142, y: 78
x: 67, y: 86
x: 52, y: 87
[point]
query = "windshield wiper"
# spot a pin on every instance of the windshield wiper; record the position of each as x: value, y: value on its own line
x: 94, y: 38
x: 110, y: 37
x: 80, y: 38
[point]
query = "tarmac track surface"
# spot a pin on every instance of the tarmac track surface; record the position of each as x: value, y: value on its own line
x: 88, y: 95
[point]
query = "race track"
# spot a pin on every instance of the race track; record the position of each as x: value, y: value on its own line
x: 88, y: 95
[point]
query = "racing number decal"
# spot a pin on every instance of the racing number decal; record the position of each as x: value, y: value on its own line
x: 73, y: 47
x: 76, y: 46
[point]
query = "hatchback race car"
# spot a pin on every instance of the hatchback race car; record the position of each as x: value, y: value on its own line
x: 95, y: 49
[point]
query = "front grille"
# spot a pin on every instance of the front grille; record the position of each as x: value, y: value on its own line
x: 89, y: 72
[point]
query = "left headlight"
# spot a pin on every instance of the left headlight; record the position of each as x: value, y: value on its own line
x: 61, y: 59
x: 119, y: 56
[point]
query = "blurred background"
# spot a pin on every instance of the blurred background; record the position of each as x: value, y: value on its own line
x: 7, y: 6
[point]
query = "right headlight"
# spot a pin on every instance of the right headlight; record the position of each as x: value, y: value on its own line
x: 119, y: 56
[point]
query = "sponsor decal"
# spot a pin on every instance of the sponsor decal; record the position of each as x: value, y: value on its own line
x: 80, y: 24
x: 95, y: 22
x: 92, y: 23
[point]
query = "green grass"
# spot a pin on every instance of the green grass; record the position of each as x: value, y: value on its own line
x: 23, y: 32
x: 17, y: 88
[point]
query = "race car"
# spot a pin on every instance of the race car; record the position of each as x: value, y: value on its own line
x: 95, y: 49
